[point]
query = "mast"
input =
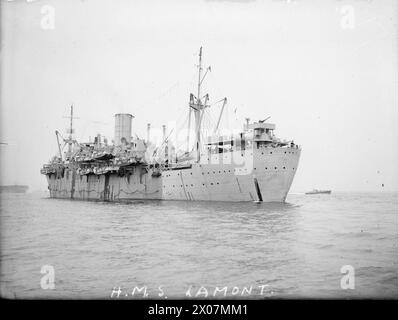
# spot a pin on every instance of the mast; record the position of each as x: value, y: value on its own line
x: 70, y: 131
x: 198, y: 108
x: 200, y: 72
x: 195, y: 104
x: 189, y: 128
x: 198, y: 111
x: 70, y: 139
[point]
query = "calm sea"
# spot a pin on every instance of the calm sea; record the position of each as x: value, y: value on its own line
x: 188, y: 249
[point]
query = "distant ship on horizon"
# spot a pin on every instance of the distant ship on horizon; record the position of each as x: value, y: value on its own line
x: 316, y: 191
x: 15, y: 188
x: 247, y: 165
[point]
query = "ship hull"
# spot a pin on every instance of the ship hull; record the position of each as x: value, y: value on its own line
x: 263, y: 175
x: 14, y: 189
x: 107, y: 187
x: 319, y: 192
x: 260, y: 175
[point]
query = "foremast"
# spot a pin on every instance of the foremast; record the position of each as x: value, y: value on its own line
x: 70, y: 141
x: 198, y: 104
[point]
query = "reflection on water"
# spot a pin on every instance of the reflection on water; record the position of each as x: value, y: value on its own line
x: 278, y: 250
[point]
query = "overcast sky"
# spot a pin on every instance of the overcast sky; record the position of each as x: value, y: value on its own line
x: 325, y: 71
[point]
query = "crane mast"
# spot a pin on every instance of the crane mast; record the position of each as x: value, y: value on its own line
x: 198, y: 107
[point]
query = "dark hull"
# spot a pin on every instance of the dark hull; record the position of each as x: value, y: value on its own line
x: 139, y: 184
x: 319, y: 192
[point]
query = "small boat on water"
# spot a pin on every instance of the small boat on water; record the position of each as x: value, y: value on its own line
x: 316, y: 191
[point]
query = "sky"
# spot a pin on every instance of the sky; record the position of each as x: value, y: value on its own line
x: 325, y: 71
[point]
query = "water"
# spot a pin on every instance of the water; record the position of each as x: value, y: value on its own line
x: 287, y: 250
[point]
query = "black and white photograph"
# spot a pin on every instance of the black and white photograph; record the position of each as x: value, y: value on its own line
x: 199, y: 150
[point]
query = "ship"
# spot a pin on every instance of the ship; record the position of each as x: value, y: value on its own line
x: 250, y: 165
x: 316, y: 191
x: 16, y: 188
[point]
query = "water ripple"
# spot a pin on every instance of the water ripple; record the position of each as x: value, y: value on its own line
x: 294, y: 249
